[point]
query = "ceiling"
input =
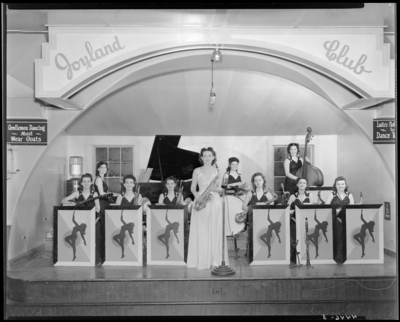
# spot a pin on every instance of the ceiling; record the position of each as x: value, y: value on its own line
x: 372, y: 15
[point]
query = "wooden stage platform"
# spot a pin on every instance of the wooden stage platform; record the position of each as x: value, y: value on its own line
x: 37, y: 288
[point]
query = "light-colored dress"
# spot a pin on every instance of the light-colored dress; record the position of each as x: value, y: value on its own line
x: 205, y: 238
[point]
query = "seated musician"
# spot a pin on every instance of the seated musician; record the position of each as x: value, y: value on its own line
x: 85, y: 192
x: 232, y: 176
x: 170, y: 197
x: 340, y: 196
x: 301, y: 197
x: 259, y: 195
x: 127, y: 196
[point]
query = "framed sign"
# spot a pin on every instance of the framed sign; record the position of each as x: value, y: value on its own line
x: 167, y: 235
x: 320, y: 233
x: 387, y: 210
x: 26, y: 132
x: 269, y: 235
x: 74, y: 236
x: 364, y: 234
x: 123, y: 236
x: 384, y: 131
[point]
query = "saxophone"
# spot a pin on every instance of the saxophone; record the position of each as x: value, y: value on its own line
x: 275, y: 196
x: 202, y: 200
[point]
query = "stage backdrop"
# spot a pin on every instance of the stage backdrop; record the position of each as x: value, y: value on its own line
x: 270, y: 235
x: 319, y: 231
x: 124, y: 236
x: 166, y: 235
x: 364, y: 233
x: 75, y: 230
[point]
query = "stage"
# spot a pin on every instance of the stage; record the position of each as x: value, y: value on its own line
x: 37, y: 288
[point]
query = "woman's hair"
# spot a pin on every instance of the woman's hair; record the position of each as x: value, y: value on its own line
x: 324, y: 226
x: 288, y: 149
x: 230, y: 160
x: 99, y: 165
x: 175, y: 226
x: 298, y: 180
x: 80, y: 187
x: 262, y: 176
x: 341, y: 178
x: 210, y: 149
x: 166, y: 181
x: 129, y: 176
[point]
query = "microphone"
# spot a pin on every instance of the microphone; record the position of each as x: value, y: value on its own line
x: 225, y: 183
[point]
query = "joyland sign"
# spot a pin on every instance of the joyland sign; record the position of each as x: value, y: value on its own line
x: 26, y: 132
x: 384, y: 131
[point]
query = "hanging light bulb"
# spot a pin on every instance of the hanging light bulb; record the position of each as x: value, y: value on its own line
x: 212, y: 98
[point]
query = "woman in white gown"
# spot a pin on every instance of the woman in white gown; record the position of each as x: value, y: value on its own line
x: 205, y: 238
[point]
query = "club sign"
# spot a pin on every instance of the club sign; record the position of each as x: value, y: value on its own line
x: 384, y: 131
x: 26, y: 132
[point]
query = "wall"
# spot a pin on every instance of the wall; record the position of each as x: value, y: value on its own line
x: 40, y: 194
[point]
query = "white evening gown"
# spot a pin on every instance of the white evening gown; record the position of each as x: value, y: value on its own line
x: 205, y: 238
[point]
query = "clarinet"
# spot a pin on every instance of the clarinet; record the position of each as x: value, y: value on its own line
x: 308, y: 264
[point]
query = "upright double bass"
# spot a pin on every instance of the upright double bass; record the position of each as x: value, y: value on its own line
x: 313, y: 175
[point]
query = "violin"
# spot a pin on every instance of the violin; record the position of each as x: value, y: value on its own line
x: 313, y: 175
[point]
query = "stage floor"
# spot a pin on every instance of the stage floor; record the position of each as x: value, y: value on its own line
x: 41, y: 269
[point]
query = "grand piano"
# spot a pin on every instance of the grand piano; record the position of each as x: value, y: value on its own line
x: 166, y: 159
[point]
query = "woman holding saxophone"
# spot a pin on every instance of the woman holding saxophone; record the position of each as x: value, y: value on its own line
x: 205, y: 238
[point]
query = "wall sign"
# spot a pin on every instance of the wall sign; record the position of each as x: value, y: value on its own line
x: 387, y: 210
x: 26, y: 132
x: 384, y: 131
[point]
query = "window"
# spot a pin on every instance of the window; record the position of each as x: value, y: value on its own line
x: 280, y: 154
x: 120, y: 164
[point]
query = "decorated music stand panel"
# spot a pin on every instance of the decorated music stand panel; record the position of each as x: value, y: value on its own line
x: 320, y: 233
x: 167, y: 235
x: 364, y: 234
x: 270, y: 235
x: 74, y: 236
x: 124, y: 236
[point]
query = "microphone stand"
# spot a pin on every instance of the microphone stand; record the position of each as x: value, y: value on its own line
x: 223, y: 270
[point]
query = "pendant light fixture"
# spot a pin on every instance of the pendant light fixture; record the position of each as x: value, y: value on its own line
x: 216, y: 56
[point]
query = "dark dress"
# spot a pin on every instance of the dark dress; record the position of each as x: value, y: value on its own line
x: 100, y: 227
x: 82, y: 198
x: 290, y: 184
x: 231, y: 179
x: 125, y: 202
x: 293, y: 236
x: 167, y: 201
x: 338, y: 229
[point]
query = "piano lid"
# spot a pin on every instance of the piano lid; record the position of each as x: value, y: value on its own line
x: 174, y: 161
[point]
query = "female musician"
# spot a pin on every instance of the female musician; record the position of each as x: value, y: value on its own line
x: 164, y: 238
x: 291, y: 164
x: 232, y: 176
x: 205, y: 238
x: 127, y: 196
x: 85, y: 192
x: 315, y: 235
x: 339, y: 197
x: 71, y: 239
x: 119, y: 238
x: 298, y: 198
x: 362, y: 234
x: 171, y: 196
x: 266, y: 238
x: 259, y: 195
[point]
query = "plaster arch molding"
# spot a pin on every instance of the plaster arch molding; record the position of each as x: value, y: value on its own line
x: 75, y: 62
